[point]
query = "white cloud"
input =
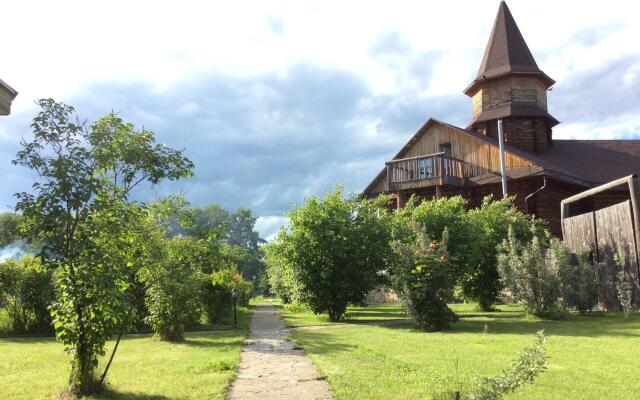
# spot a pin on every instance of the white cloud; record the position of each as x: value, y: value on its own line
x: 303, y: 94
x: 268, y: 226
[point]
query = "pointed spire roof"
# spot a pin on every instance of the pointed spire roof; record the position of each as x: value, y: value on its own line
x: 507, y: 52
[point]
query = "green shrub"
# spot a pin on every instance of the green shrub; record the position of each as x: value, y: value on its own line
x: 424, y: 279
x: 26, y: 291
x: 524, y: 370
x: 172, y: 297
x: 474, y: 236
x: 280, y: 270
x: 335, y: 248
x: 579, y: 283
x: 489, y: 225
x: 532, y: 277
x: 218, y: 299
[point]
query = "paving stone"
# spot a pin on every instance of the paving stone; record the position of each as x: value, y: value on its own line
x: 272, y: 368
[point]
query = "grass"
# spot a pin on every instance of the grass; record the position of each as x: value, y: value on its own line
x: 371, y: 313
x: 201, y: 367
x: 590, y: 357
x: 5, y: 322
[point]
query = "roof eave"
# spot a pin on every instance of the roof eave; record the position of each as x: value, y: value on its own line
x: 544, y: 78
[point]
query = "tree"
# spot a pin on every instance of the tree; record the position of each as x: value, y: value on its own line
x: 82, y: 212
x: 338, y: 247
x: 423, y: 276
x: 280, y: 270
x: 9, y: 232
x: 490, y: 225
x: 531, y: 272
x: 173, y: 287
x: 26, y: 291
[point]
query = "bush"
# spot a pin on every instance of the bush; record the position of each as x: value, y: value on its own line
x: 280, y: 271
x: 490, y: 225
x: 532, y: 278
x: 474, y: 236
x: 335, y: 248
x: 530, y: 364
x: 218, y: 299
x: 172, y: 297
x: 579, y: 282
x: 27, y: 291
x: 424, y: 278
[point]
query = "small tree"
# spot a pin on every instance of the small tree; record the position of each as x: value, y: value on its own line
x: 80, y: 210
x: 174, y: 288
x: 490, y: 225
x: 27, y: 291
x: 579, y: 281
x: 532, y: 279
x: 9, y: 231
x: 524, y: 370
x: 281, y: 271
x: 219, y: 297
x: 337, y: 248
x: 424, y: 277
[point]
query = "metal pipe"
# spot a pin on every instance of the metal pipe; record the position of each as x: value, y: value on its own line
x: 544, y: 186
x: 502, y: 166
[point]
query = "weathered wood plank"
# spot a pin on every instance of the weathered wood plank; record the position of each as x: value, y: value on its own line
x: 615, y: 236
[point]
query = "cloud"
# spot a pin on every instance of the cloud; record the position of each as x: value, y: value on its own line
x: 264, y: 142
x: 268, y: 226
x: 286, y: 102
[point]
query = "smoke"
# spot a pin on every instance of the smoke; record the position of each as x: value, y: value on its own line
x: 15, y: 250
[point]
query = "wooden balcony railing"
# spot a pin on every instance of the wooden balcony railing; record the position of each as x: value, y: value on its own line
x: 429, y: 170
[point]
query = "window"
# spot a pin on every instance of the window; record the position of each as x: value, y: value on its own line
x: 446, y: 166
x: 446, y: 149
x: 425, y: 166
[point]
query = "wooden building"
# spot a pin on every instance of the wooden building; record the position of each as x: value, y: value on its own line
x: 445, y: 160
x: 7, y: 94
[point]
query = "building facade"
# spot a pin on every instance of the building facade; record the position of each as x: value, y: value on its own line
x: 442, y: 160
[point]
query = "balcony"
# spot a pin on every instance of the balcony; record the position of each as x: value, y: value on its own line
x: 437, y: 169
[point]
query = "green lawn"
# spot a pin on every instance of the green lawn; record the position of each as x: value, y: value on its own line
x: 144, y: 368
x: 592, y: 357
x: 374, y: 312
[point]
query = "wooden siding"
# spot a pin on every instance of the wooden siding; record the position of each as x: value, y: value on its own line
x: 476, y: 103
x: 605, y: 233
x: 509, y: 90
x: 478, y: 157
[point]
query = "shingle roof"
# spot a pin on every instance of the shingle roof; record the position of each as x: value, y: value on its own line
x: 507, y: 52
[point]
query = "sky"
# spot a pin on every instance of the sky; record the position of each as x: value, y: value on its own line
x: 276, y: 101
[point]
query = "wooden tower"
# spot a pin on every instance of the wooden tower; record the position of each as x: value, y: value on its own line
x: 510, y: 86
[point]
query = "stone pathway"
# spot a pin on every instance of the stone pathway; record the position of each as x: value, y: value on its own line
x: 272, y: 368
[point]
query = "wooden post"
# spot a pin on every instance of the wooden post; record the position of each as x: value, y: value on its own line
x: 634, y: 193
x: 502, y: 159
x: 438, y: 192
x: 401, y: 199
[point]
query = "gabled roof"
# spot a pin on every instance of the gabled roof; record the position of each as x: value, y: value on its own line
x: 582, y: 162
x: 507, y: 52
x: 7, y: 94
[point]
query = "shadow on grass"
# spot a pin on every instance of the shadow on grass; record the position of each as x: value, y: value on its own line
x: 598, y: 325
x: 375, y: 314
x: 112, y: 394
x: 209, y: 343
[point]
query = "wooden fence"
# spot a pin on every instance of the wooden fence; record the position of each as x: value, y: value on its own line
x: 605, y: 233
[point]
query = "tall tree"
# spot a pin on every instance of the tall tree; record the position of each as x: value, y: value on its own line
x: 9, y: 228
x: 81, y: 209
x: 337, y: 248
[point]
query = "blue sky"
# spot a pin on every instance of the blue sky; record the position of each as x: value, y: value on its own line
x: 278, y: 101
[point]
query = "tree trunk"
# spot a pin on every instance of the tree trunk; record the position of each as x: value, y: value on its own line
x: 83, y: 380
